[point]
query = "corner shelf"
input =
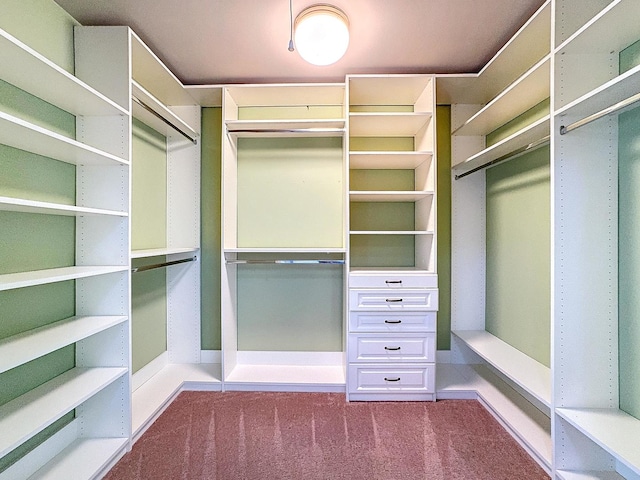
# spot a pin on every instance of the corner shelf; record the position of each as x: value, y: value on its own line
x: 32, y: 72
x: 23, y: 135
x: 32, y: 344
x: 8, y: 204
x: 30, y: 413
x: 11, y: 281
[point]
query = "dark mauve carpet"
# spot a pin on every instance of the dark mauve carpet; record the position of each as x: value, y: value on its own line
x: 264, y: 435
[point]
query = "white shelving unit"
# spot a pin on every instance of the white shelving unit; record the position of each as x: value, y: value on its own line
x: 289, y: 112
x: 96, y: 389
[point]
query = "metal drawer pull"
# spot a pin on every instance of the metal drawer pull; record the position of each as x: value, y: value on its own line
x: 393, y: 300
x: 393, y: 321
x: 397, y: 379
x: 392, y: 348
x: 393, y: 281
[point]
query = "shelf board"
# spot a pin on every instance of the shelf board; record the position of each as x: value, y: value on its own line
x: 388, y: 160
x: 30, y: 71
x: 296, y: 94
x: 159, y: 252
x: 83, y: 458
x: 391, y: 232
x: 613, y: 29
x: 11, y: 281
x: 528, y: 135
x: 9, y: 204
x: 284, y: 250
x: 387, y: 89
x: 386, y: 124
x: 284, y: 376
x: 23, y: 135
x: 153, y: 396
x: 612, y: 92
x: 286, y: 128
x: 388, y: 196
x: 524, y: 371
x: 161, y: 109
x: 24, y: 347
x: 614, y: 430
x: 588, y: 475
x: 526, y: 92
x: 25, y: 416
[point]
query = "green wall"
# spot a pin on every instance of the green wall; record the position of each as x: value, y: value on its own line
x: 31, y: 241
x: 210, y: 221
x: 518, y: 253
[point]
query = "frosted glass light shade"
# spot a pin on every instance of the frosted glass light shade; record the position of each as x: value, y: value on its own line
x: 321, y: 34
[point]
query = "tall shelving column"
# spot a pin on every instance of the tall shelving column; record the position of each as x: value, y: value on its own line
x: 593, y: 436
x: 283, y: 229
x: 393, y: 296
x: 97, y: 388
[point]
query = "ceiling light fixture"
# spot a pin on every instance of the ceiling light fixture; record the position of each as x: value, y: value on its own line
x: 321, y: 34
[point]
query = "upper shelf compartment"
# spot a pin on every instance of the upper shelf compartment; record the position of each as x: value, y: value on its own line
x: 28, y: 70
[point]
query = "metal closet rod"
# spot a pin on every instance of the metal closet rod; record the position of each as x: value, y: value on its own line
x: 287, y: 262
x: 509, y: 156
x: 156, y: 114
x: 144, y: 268
x: 602, y: 113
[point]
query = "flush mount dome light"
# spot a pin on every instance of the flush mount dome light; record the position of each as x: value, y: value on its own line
x: 321, y: 34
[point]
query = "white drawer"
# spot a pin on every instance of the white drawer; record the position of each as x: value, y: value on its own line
x: 391, y: 300
x: 392, y: 321
x: 392, y: 279
x: 392, y: 348
x: 392, y: 378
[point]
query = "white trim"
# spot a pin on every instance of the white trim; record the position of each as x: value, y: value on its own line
x: 147, y: 372
x: 210, y: 356
x: 443, y: 356
x: 290, y: 358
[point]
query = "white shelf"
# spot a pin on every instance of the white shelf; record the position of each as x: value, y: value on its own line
x: 8, y: 204
x: 28, y: 70
x: 284, y: 250
x: 391, y: 232
x: 23, y: 135
x: 388, y: 196
x: 388, y: 160
x: 151, y: 120
x: 588, y: 475
x: 158, y: 252
x: 523, y: 370
x: 523, y: 94
x: 387, y: 124
x: 522, y: 138
x: 612, y: 92
x: 153, y: 396
x: 387, y: 89
x: 83, y: 458
x: 296, y: 94
x: 27, y: 346
x: 613, y: 29
x: 280, y: 128
x: 30, y: 413
x: 286, y: 377
x: 614, y: 430
x: 40, y: 277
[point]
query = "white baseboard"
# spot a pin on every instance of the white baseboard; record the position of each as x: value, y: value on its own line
x: 443, y: 356
x: 290, y: 358
x: 149, y: 370
x: 210, y: 356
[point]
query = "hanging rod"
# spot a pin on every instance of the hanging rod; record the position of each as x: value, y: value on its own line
x: 516, y: 153
x: 156, y: 114
x: 602, y: 113
x: 144, y: 268
x: 286, y: 130
x: 286, y: 262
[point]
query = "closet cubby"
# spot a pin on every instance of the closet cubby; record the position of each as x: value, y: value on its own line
x: 98, y: 330
x: 284, y: 218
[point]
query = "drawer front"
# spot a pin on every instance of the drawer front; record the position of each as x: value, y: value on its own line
x: 392, y: 322
x: 392, y: 300
x: 395, y: 348
x: 392, y: 280
x: 392, y: 378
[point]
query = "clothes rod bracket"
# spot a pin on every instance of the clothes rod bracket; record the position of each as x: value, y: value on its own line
x: 157, y: 115
x: 602, y: 113
x: 144, y: 268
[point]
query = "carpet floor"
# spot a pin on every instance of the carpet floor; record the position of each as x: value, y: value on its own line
x: 263, y: 435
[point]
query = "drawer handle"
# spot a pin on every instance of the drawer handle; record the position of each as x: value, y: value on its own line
x: 392, y: 348
x: 391, y: 300
x: 392, y: 281
x: 397, y: 379
x: 393, y: 321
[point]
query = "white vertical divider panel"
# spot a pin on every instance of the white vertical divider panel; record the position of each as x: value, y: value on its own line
x: 183, y: 230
